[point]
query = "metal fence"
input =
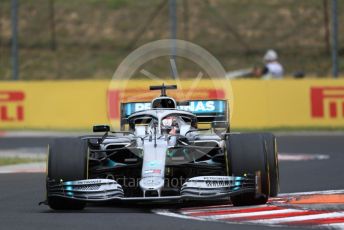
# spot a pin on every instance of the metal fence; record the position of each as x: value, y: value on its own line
x: 61, y: 39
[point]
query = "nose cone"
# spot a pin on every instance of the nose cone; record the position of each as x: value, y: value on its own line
x: 152, y: 184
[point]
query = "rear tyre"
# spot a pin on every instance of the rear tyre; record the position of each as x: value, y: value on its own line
x: 67, y: 161
x: 246, y: 154
x: 271, y: 147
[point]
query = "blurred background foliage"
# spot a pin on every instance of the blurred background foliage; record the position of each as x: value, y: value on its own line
x: 79, y: 39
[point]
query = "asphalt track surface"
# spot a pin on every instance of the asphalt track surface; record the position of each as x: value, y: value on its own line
x: 20, y: 193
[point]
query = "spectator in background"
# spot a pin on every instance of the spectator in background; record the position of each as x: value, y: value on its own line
x: 272, y: 68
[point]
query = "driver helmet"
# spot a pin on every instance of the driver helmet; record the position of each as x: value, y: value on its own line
x: 170, y: 123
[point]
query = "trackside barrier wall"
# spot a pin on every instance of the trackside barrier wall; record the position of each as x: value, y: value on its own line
x: 255, y: 103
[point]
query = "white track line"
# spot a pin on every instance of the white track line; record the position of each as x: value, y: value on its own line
x: 326, y: 192
x: 219, y: 208
x: 165, y: 212
x: 251, y: 214
x: 293, y: 217
x: 301, y: 157
x: 298, y: 218
x: 34, y: 167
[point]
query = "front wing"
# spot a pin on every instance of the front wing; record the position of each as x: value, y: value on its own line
x: 196, y: 188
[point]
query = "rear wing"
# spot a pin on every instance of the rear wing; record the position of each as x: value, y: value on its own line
x: 206, y: 111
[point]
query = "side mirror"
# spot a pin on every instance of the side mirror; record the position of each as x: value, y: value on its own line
x: 101, y: 128
x: 219, y: 124
x: 220, y: 127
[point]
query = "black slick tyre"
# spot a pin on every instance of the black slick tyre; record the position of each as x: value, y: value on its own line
x: 67, y: 161
x: 272, y: 155
x: 246, y: 154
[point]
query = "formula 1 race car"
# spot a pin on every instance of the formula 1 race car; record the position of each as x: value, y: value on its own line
x: 161, y: 154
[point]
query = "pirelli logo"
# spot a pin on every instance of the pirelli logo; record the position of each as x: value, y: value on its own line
x: 327, y: 102
x: 11, y: 106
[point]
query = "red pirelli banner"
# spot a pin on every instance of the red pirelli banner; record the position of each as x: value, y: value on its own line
x: 253, y: 103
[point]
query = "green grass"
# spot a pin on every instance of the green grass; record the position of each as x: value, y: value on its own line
x: 92, y: 36
x: 17, y: 160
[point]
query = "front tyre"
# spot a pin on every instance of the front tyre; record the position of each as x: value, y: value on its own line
x: 67, y: 161
x: 272, y: 156
x: 247, y: 154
